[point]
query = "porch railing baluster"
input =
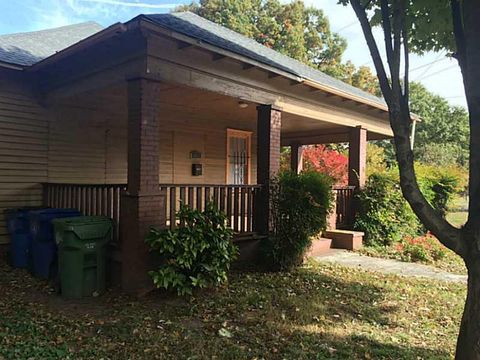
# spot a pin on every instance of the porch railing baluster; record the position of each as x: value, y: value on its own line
x: 237, y: 201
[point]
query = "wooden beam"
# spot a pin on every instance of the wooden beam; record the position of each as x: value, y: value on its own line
x: 216, y: 57
x: 183, y: 45
x: 295, y: 83
x: 247, y: 66
x: 315, y: 139
x: 272, y: 75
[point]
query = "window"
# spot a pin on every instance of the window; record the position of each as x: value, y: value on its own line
x: 238, y: 156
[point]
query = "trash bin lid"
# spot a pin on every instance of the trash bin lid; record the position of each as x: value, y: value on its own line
x: 52, y: 213
x: 85, y: 227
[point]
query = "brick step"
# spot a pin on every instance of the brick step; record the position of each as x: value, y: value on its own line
x: 345, y: 239
x: 319, y: 246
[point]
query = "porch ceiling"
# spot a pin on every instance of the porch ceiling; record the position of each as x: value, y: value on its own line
x: 197, y: 104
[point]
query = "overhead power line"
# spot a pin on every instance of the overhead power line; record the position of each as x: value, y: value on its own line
x: 437, y: 72
x: 430, y: 66
x: 346, y: 27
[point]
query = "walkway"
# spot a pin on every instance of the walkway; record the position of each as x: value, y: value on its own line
x: 388, y: 266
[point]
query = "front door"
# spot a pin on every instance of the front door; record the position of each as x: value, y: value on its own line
x: 238, y: 157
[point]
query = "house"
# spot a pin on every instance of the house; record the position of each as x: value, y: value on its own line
x: 128, y: 120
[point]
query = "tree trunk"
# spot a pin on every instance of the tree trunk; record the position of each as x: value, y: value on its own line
x: 468, y: 343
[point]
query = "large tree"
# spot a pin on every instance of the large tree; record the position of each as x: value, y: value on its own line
x: 419, y: 26
x: 299, y: 31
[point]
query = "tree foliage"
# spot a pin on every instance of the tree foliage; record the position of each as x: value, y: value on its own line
x: 294, y: 29
x: 442, y: 135
x: 441, y: 125
x: 324, y: 160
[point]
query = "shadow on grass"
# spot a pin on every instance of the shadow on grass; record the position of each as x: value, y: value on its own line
x: 299, y: 315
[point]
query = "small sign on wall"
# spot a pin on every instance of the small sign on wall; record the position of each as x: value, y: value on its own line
x: 197, y: 169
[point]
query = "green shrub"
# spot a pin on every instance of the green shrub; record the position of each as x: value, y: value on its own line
x: 196, y: 255
x: 383, y: 214
x: 300, y: 205
x: 440, y: 184
x: 426, y: 249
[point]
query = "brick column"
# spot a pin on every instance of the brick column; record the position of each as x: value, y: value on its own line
x: 142, y: 205
x: 296, y: 158
x: 357, y: 157
x: 269, y: 123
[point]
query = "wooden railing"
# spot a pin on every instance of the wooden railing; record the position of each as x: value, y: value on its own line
x: 344, y: 206
x: 88, y: 199
x: 237, y: 201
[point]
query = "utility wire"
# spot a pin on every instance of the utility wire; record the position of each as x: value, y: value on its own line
x: 428, y: 64
x: 346, y: 27
x: 429, y: 67
x: 437, y: 72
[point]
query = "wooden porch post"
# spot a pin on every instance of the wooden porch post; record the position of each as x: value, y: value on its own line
x: 142, y: 205
x: 296, y: 158
x: 269, y: 123
x: 357, y: 157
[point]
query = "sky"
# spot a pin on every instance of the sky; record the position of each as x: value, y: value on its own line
x: 436, y: 71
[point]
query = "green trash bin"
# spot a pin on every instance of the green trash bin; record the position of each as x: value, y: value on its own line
x: 82, y: 243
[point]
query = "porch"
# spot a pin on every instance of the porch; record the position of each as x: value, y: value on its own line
x: 136, y: 119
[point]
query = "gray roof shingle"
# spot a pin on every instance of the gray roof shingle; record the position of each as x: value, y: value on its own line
x: 202, y: 29
x: 30, y: 47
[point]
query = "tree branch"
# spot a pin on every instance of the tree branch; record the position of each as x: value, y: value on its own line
x: 459, y: 33
x: 397, y: 46
x: 448, y: 235
x: 406, y: 76
x: 400, y: 120
x: 374, y: 52
x: 387, y: 30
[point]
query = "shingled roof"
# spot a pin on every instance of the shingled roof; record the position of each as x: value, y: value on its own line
x: 28, y: 48
x: 199, y: 28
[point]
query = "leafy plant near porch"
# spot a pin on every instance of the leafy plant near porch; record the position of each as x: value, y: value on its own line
x: 383, y: 214
x: 300, y: 204
x: 196, y: 255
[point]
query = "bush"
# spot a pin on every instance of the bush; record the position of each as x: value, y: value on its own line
x: 440, y: 184
x: 300, y: 205
x: 383, y: 214
x: 196, y: 255
x: 425, y: 249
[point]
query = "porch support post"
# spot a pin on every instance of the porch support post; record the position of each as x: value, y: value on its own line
x: 269, y: 123
x: 296, y: 158
x: 357, y: 157
x: 142, y: 205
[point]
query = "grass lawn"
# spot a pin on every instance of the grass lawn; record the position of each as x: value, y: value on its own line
x: 318, y: 312
x: 457, y: 218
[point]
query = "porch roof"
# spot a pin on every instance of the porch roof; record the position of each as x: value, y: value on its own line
x: 209, y: 32
x: 30, y: 49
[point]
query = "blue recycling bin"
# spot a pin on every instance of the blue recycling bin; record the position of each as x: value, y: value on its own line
x: 20, y: 237
x: 44, y: 248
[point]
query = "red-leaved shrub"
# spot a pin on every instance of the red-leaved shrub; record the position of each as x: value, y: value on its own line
x: 327, y: 161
